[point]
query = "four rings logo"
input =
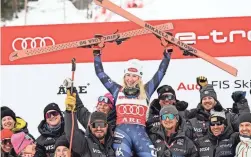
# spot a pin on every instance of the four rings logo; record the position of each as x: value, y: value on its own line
x: 131, y: 109
x: 26, y: 43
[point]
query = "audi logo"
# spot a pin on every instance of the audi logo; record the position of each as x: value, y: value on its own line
x: 32, y: 42
x: 131, y: 109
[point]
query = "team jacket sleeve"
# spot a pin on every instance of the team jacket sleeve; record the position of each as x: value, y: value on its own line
x: 79, y: 143
x: 110, y: 85
x: 152, y: 85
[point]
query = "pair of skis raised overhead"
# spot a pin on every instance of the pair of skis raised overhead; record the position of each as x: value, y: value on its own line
x: 116, y: 9
x: 147, y: 28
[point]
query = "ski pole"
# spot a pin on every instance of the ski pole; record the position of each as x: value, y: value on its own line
x: 73, y: 68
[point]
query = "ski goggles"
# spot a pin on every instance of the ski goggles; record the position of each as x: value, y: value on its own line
x: 52, y: 113
x: 216, y: 123
x: 104, y: 99
x: 99, y: 124
x: 167, y: 97
x: 6, y: 141
x: 169, y: 116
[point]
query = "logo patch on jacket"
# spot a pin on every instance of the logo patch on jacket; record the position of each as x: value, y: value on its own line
x: 180, y: 142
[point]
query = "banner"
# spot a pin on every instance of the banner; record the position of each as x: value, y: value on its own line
x: 29, y: 84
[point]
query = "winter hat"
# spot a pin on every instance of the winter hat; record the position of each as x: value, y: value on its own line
x: 6, y: 133
x: 62, y: 141
x: 98, y: 116
x: 218, y: 114
x: 52, y: 106
x: 133, y: 66
x: 110, y: 97
x: 208, y: 90
x: 6, y: 111
x: 165, y: 89
x: 169, y: 109
x: 245, y: 117
x: 20, y: 141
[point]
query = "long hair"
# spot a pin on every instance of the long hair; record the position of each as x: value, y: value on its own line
x: 142, y: 91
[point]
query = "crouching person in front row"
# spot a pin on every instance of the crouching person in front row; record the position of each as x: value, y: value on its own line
x: 169, y: 138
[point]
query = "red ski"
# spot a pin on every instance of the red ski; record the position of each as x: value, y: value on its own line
x: 116, y: 9
x: 74, y: 44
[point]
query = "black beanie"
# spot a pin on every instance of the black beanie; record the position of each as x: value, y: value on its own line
x: 208, y: 90
x: 165, y: 89
x: 6, y: 111
x: 62, y: 141
x: 98, y: 116
x: 52, y: 106
x: 245, y: 117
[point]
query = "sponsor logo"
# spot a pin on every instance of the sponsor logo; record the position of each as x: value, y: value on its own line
x: 197, y: 129
x: 96, y: 151
x: 204, y: 149
x: 131, y: 110
x: 220, y: 84
x: 81, y: 89
x: 119, y: 152
x: 226, y: 145
x: 29, y: 42
x: 50, y: 147
x: 132, y: 70
x: 215, y: 36
x: 180, y: 142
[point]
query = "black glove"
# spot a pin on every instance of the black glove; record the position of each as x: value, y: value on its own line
x: 237, y: 96
x: 181, y: 105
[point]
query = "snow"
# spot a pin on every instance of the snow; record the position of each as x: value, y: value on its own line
x: 64, y: 12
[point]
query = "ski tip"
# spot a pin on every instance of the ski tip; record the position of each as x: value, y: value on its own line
x: 13, y: 56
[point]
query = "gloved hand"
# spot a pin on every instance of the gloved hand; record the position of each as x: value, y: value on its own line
x: 70, y: 101
x: 181, y: 105
x: 237, y: 96
x: 201, y: 81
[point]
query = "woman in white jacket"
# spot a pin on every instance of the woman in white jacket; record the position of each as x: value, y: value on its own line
x: 243, y: 149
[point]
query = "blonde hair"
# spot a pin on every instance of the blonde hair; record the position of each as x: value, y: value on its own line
x: 142, y: 91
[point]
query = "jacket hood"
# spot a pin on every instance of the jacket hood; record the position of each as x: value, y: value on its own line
x: 45, y: 131
x: 20, y: 125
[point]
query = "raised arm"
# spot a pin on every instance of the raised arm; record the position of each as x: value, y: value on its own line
x: 152, y: 85
x: 110, y: 85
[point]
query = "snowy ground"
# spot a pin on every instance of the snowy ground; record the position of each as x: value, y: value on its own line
x: 63, y: 11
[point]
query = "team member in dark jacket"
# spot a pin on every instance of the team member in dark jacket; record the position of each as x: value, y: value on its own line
x: 200, y: 116
x: 169, y: 139
x: 9, y: 120
x: 166, y: 97
x: 220, y: 140
x: 98, y: 139
x: 50, y: 128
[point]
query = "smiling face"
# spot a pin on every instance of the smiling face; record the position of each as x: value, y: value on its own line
x: 8, y: 122
x: 62, y: 151
x: 99, y: 129
x: 6, y: 145
x: 167, y: 99
x: 131, y: 80
x: 245, y: 128
x: 208, y: 103
x: 217, y: 127
x: 53, y: 118
x: 169, y: 121
x: 103, y: 107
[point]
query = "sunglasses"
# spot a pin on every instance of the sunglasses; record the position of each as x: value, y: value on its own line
x: 99, y: 124
x: 52, y: 113
x: 216, y: 123
x: 167, y: 97
x: 169, y: 116
x: 6, y: 141
x: 104, y: 99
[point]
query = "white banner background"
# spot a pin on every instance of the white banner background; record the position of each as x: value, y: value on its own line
x: 27, y: 89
